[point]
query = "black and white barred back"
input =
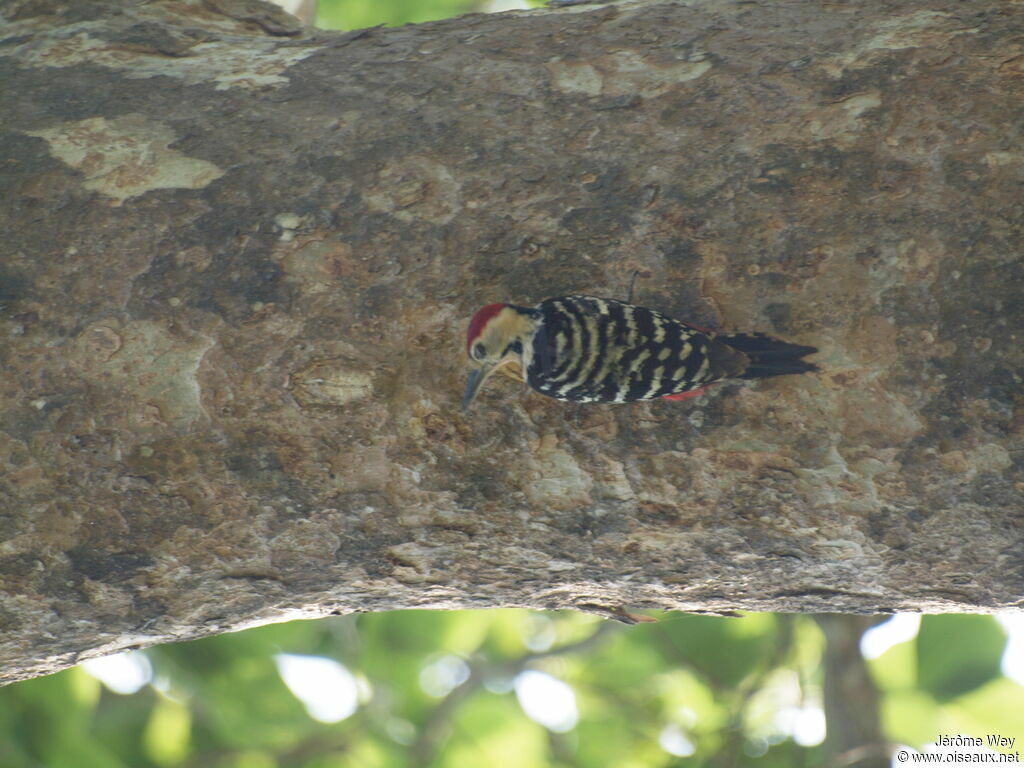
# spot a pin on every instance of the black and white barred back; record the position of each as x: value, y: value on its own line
x: 589, y: 350
x: 593, y: 350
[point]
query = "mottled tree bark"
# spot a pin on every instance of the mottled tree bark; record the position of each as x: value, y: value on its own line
x: 238, y: 258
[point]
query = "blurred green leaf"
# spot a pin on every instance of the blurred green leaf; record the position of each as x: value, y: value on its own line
x: 55, y: 724
x: 913, y: 717
x: 368, y: 753
x: 605, y: 735
x: 494, y: 731
x: 250, y: 759
x: 626, y: 658
x: 357, y: 14
x: 725, y: 651
x: 896, y: 668
x: 84, y: 689
x: 993, y: 708
x: 166, y: 736
x: 956, y: 654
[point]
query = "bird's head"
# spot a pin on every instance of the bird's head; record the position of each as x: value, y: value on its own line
x: 495, y: 333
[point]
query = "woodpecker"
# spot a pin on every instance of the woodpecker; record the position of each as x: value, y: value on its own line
x: 591, y: 350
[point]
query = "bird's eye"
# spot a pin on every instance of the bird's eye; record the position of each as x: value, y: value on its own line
x: 479, y: 351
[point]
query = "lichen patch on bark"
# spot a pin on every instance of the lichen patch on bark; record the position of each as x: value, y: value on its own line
x: 329, y: 383
x: 415, y: 188
x: 224, y: 51
x: 625, y: 73
x: 126, y: 156
x: 154, y: 373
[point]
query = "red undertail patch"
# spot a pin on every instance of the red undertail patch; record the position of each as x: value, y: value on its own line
x: 691, y: 393
x: 697, y: 328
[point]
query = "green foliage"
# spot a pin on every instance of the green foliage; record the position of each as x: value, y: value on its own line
x: 357, y: 14
x: 717, y: 684
x: 166, y: 736
x: 490, y: 730
x: 956, y: 654
x: 948, y: 680
x: 725, y: 652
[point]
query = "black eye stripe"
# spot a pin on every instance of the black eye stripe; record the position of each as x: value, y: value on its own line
x: 479, y: 350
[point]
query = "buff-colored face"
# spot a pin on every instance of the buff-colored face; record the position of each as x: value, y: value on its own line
x: 492, y: 331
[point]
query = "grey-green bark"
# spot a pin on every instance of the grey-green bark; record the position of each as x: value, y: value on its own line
x: 238, y: 259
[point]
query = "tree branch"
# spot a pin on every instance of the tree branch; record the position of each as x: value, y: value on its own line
x: 239, y: 258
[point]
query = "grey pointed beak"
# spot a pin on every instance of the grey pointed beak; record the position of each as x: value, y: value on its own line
x: 473, y: 384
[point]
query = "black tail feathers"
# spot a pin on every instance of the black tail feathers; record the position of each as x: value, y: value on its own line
x: 770, y: 356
